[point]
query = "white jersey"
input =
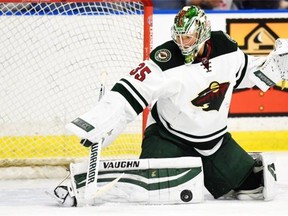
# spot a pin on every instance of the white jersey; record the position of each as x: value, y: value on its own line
x: 191, y: 102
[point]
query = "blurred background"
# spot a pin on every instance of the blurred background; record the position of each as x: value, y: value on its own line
x: 221, y: 4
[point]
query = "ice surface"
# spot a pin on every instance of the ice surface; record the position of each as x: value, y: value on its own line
x: 27, y: 197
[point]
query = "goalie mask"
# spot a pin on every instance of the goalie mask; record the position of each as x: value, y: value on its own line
x: 190, y: 31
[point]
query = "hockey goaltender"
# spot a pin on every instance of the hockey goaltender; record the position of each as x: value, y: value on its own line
x: 188, y: 81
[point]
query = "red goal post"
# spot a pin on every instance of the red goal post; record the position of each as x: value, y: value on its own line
x: 52, y: 53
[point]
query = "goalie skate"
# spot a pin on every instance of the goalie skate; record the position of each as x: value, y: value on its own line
x: 265, y: 162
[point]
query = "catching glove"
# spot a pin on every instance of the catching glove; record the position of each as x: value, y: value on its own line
x: 275, y: 67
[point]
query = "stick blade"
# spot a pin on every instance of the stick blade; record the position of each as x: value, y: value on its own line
x: 107, y: 187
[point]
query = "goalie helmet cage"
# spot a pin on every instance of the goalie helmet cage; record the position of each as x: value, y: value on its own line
x: 52, y: 54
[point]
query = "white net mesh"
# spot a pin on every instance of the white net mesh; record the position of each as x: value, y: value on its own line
x: 50, y: 59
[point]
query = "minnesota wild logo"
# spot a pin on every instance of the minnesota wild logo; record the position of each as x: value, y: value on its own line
x: 212, y: 97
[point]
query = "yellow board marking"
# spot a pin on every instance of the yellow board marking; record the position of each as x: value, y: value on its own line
x: 26, y: 147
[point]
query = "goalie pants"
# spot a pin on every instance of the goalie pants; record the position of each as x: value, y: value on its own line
x: 225, y: 170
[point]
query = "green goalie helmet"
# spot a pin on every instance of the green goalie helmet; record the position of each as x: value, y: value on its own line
x: 190, y: 31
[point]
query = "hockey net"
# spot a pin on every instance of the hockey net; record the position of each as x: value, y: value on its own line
x: 51, y: 57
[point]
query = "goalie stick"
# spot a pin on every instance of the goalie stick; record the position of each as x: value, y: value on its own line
x: 94, y: 156
x: 91, y: 189
x: 92, y: 172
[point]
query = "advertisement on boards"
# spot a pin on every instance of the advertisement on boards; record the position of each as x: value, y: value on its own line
x: 257, y: 37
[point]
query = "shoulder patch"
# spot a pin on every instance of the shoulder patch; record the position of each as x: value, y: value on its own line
x: 167, y: 55
x: 162, y: 55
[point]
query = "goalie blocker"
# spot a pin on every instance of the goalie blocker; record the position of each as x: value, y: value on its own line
x: 157, y: 181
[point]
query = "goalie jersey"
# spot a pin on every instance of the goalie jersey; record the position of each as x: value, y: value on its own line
x: 190, y: 102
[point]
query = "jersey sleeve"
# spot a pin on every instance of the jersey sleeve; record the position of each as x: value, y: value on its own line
x: 144, y: 84
x: 248, y: 65
x: 151, y: 79
x: 123, y: 103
